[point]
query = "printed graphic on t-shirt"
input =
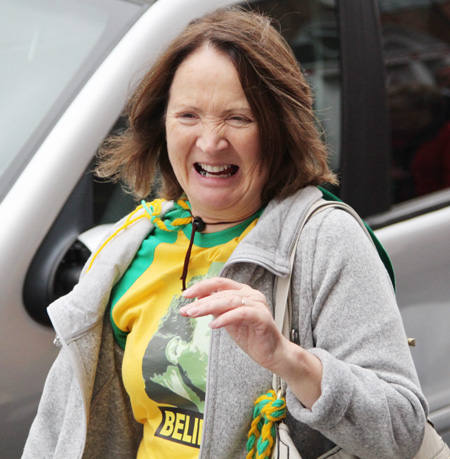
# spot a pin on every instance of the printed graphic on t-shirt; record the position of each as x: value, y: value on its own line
x: 181, y: 426
x: 165, y: 354
x: 174, y: 370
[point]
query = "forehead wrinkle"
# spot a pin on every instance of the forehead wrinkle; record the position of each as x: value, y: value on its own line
x: 200, y: 98
x: 245, y: 109
x: 199, y: 87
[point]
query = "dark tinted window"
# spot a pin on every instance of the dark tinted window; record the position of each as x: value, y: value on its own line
x: 416, y: 44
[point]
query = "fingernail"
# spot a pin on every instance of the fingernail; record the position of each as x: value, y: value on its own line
x: 192, y: 312
x: 214, y: 324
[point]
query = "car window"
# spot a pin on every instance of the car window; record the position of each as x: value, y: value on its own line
x: 416, y: 46
x: 311, y: 29
x: 48, y: 48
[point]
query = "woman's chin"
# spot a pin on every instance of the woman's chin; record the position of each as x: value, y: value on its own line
x: 214, y: 205
x: 224, y: 199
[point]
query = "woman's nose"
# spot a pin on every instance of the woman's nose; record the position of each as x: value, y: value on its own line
x: 211, y: 141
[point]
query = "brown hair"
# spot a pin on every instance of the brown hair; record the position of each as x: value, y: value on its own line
x: 280, y: 98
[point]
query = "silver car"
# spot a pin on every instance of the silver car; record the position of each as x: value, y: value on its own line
x: 67, y: 68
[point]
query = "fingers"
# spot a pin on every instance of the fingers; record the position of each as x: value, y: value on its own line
x: 229, y: 311
x: 207, y: 287
x: 240, y: 310
x: 247, y: 316
x: 214, y: 304
x: 217, y: 296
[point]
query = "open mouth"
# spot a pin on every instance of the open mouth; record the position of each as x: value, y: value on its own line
x: 224, y: 171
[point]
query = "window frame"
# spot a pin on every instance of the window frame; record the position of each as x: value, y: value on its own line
x: 365, y: 141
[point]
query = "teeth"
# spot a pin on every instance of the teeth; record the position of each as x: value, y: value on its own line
x: 214, y: 169
x: 206, y: 174
x: 221, y: 172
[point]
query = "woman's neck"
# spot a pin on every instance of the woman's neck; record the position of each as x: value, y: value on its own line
x: 206, y: 226
x: 215, y: 221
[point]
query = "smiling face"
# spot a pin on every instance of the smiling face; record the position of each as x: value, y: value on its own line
x: 213, y: 138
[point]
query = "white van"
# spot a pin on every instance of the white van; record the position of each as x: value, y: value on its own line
x: 381, y: 77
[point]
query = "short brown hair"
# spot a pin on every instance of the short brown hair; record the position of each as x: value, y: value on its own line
x: 278, y: 94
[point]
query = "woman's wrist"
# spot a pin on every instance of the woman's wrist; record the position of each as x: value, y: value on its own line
x: 302, y: 372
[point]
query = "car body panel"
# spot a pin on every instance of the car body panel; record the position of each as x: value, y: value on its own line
x: 419, y: 249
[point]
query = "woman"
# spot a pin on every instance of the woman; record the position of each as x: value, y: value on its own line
x: 226, y: 116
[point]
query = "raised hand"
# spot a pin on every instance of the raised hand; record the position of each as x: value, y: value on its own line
x: 244, y: 313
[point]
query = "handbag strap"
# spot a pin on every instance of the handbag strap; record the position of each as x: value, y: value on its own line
x: 283, y: 304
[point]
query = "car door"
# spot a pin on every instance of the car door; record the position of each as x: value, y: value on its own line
x: 415, y: 38
x: 395, y: 163
x: 380, y: 70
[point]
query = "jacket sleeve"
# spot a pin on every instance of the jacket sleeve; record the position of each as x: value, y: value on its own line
x: 53, y: 428
x: 59, y: 429
x: 371, y: 403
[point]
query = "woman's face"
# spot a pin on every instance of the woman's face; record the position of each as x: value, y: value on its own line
x: 213, y: 138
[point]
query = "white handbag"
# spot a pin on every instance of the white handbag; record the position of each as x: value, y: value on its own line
x: 433, y: 447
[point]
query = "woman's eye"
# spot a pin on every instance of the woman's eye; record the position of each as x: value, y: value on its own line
x: 187, y: 117
x: 239, y: 120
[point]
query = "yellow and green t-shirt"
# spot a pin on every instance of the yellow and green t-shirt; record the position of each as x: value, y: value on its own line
x: 166, y: 355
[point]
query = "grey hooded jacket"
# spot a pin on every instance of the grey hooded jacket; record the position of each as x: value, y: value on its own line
x: 345, y: 312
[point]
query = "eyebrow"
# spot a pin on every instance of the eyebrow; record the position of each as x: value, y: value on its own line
x: 226, y: 112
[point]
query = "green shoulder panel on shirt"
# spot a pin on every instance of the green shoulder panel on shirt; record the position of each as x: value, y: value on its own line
x: 142, y: 260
